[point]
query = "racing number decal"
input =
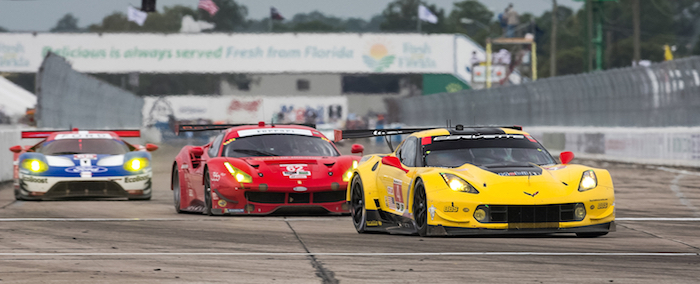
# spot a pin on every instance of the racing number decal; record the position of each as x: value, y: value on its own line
x: 398, y: 195
x: 295, y: 171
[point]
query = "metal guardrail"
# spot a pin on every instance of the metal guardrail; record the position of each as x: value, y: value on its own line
x: 664, y: 94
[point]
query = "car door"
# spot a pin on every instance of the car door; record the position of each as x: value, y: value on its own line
x: 395, y: 182
x: 197, y: 174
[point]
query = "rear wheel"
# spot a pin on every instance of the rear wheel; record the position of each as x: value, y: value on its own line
x: 177, y: 192
x: 357, y: 205
x: 591, y: 235
x: 420, y: 209
x: 207, y: 195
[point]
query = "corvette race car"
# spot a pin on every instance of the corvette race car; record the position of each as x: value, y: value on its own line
x: 82, y: 164
x: 260, y: 169
x: 476, y: 180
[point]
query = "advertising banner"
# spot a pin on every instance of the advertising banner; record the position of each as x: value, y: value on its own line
x: 234, y: 53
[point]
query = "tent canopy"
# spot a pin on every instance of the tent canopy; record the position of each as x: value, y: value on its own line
x: 14, y: 100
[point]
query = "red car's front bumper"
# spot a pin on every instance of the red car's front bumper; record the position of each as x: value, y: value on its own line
x: 256, y: 202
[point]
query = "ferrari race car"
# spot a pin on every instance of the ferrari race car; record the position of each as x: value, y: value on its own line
x: 476, y: 180
x: 82, y: 164
x: 260, y: 169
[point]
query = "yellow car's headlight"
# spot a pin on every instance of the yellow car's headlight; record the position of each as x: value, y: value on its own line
x: 136, y: 164
x: 34, y: 165
x: 458, y: 184
x: 588, y: 181
x: 348, y: 175
x: 239, y: 175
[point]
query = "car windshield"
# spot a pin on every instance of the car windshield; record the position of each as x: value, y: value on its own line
x: 279, y: 145
x: 485, y: 150
x: 83, y: 146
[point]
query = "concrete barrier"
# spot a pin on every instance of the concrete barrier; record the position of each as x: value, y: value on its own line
x: 8, y: 138
x: 667, y: 146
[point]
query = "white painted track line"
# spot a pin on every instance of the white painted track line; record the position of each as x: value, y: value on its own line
x: 334, y: 219
x: 359, y: 254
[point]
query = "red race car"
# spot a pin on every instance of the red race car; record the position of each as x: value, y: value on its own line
x: 258, y: 169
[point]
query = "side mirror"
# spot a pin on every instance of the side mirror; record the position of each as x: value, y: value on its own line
x: 16, y: 149
x: 197, y: 151
x: 566, y: 157
x: 151, y: 147
x: 394, y: 162
x: 357, y: 148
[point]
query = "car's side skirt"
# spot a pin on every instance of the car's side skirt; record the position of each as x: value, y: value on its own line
x: 382, y: 221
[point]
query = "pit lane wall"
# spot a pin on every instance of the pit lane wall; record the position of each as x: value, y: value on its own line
x: 9, y: 136
x: 670, y: 146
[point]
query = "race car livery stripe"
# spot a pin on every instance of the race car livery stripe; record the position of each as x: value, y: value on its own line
x: 263, y: 131
x: 83, y: 135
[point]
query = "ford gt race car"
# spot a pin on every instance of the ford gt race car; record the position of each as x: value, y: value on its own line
x: 82, y: 164
x: 476, y: 180
x: 260, y: 169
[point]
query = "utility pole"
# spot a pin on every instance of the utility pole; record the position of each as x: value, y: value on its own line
x: 553, y: 53
x: 636, y: 24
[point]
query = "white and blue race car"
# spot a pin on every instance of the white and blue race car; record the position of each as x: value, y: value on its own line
x: 82, y: 164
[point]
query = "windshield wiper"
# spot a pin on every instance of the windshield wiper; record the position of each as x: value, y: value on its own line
x: 253, y: 151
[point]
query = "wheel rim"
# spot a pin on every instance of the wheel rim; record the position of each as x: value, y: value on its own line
x: 419, y: 207
x: 176, y: 189
x: 357, y: 203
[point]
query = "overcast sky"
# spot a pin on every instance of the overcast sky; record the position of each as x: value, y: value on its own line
x: 42, y: 15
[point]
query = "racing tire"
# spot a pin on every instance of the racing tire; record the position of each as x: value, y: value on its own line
x: 591, y: 235
x: 177, y: 191
x: 357, y: 205
x: 420, y: 209
x: 207, y: 195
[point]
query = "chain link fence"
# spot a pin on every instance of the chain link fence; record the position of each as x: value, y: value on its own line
x: 661, y: 95
x: 67, y: 98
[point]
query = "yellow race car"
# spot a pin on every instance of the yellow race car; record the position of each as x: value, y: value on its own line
x: 476, y: 180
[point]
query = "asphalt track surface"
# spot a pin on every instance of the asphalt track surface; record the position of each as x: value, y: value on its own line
x: 658, y: 217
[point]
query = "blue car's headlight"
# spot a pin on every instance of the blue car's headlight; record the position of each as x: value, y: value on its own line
x: 136, y: 164
x: 34, y: 165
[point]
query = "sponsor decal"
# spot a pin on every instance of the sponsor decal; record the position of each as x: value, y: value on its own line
x: 263, y: 131
x: 183, y: 166
x: 222, y: 203
x: 478, y: 136
x: 531, y: 139
x: 91, y: 169
x: 378, y: 57
x: 240, y: 210
x: 519, y: 173
x: 465, y: 209
x: 432, y: 210
x: 398, y: 194
x: 373, y: 223
x: 602, y: 205
x: 135, y: 179
x: 390, y: 202
x: 84, y: 135
x: 531, y: 194
x: 592, y: 206
x: 216, y: 176
x: 451, y: 209
x: 85, y: 174
x: 229, y: 141
x: 84, y: 156
x: 295, y: 171
x: 390, y: 190
x: 35, y: 180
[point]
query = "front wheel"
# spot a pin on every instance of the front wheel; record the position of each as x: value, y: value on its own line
x: 177, y: 192
x: 420, y: 209
x: 207, y: 195
x: 357, y: 205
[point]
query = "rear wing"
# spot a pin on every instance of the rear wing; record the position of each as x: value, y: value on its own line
x: 366, y: 133
x: 46, y: 133
x: 209, y: 127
